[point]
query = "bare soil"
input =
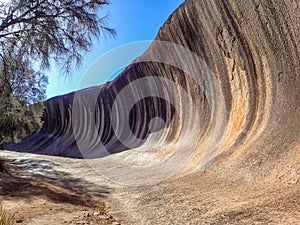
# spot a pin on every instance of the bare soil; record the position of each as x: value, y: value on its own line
x: 36, y: 201
x: 55, y: 190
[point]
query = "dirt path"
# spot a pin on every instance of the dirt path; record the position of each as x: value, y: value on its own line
x: 54, y: 190
x: 39, y: 193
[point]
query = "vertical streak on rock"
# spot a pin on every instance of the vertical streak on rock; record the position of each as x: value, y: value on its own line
x: 253, y: 50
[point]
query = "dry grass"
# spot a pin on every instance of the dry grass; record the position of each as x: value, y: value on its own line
x: 6, y: 218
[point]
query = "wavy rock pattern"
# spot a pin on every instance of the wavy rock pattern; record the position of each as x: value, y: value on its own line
x: 244, y: 111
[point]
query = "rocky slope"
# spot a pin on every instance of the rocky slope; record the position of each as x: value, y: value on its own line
x: 250, y: 63
x: 218, y: 90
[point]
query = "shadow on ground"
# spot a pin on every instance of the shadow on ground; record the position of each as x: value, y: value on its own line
x: 30, y: 178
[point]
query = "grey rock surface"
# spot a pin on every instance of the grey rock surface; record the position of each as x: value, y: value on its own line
x: 228, y: 150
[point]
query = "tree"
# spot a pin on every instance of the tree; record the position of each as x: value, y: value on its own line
x: 22, y: 91
x: 62, y: 30
x: 40, y: 31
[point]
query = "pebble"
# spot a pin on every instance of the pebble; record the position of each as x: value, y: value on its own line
x: 96, y: 213
x: 104, y: 217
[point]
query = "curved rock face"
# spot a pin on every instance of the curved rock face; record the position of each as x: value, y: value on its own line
x: 221, y: 81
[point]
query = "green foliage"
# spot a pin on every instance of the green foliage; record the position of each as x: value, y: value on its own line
x: 52, y: 29
x: 6, y: 218
x: 33, y: 34
x: 21, y: 92
x: 18, y: 120
x: 10, y: 116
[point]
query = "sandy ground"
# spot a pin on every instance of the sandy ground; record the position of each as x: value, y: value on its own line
x: 52, y: 190
x: 36, y: 200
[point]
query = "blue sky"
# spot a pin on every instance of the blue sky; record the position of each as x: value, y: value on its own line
x: 134, y: 20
